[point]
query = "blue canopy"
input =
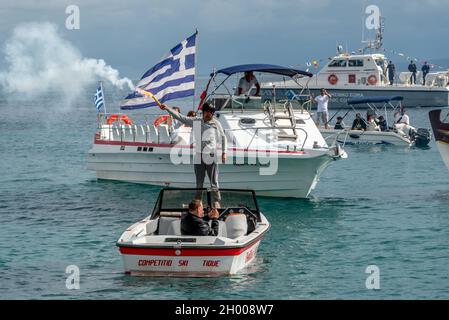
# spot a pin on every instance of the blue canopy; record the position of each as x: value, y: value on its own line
x: 374, y: 99
x: 268, y: 68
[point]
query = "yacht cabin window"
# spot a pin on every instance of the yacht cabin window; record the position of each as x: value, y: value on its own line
x: 338, y: 63
x: 355, y: 63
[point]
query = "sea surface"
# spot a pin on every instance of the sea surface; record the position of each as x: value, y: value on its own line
x: 382, y: 206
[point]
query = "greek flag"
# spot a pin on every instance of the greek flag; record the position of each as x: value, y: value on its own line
x: 99, y: 99
x: 172, y: 78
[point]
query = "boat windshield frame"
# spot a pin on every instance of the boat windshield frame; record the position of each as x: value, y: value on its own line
x: 371, y: 102
x: 158, y: 207
x: 293, y: 74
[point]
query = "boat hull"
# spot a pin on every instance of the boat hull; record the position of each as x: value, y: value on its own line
x: 443, y: 147
x: 355, y: 137
x: 192, y: 262
x: 295, y: 177
x: 413, y: 96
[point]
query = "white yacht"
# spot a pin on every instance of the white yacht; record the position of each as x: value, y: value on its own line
x: 274, y: 148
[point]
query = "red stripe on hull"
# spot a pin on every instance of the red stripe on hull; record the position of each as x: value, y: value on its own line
x: 184, y: 252
x: 164, y: 145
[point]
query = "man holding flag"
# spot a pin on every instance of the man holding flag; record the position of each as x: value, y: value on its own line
x: 172, y: 78
x: 208, y: 135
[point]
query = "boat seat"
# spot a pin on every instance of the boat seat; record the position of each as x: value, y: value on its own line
x: 236, y: 225
x: 222, y: 231
x: 164, y: 224
x: 174, y: 229
x: 164, y: 135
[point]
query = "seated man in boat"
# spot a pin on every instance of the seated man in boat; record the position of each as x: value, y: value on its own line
x: 358, y: 123
x: 339, y: 125
x: 246, y: 83
x: 371, y: 124
x: 382, y: 123
x: 193, y: 224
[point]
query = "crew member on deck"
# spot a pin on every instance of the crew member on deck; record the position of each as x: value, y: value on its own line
x: 412, y: 68
x: 246, y: 83
x: 425, y: 70
x: 322, y: 109
x: 391, y: 68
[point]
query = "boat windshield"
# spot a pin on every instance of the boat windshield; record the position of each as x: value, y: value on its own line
x: 178, y: 199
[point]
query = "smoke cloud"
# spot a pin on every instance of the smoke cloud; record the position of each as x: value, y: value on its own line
x: 38, y: 60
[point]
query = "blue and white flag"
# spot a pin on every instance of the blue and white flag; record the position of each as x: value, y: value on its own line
x: 99, y: 98
x: 172, y: 78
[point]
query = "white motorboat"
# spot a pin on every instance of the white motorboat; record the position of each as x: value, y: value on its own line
x: 358, y: 75
x: 392, y: 135
x: 441, y: 133
x: 274, y: 148
x: 155, y: 245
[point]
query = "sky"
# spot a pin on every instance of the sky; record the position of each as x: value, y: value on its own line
x: 133, y: 35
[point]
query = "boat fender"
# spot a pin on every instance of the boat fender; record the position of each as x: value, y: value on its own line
x: 372, y: 80
x: 114, y: 117
x: 332, y: 79
x: 162, y: 120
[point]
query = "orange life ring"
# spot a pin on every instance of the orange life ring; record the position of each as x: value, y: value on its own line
x: 332, y: 79
x: 115, y: 117
x: 372, y: 79
x: 162, y: 120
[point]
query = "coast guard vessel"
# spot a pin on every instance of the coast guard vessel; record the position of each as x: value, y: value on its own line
x: 351, y: 75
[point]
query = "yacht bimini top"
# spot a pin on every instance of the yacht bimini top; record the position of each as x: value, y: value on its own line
x: 268, y: 68
x: 374, y: 100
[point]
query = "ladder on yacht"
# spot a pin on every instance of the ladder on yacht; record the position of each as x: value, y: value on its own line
x: 286, y: 114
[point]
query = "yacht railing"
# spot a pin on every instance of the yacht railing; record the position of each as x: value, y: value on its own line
x: 256, y: 134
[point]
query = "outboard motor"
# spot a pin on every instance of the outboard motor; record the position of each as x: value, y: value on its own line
x: 421, y: 137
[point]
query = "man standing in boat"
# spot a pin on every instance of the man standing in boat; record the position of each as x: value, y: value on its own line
x: 425, y: 70
x: 391, y: 68
x: 412, y: 68
x: 208, y: 134
x: 246, y: 83
x: 322, y: 109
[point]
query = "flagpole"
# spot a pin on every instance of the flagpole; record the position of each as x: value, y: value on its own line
x: 196, y: 54
x: 104, y: 99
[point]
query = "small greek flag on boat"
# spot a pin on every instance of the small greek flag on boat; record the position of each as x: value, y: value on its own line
x: 171, y: 78
x: 99, y: 98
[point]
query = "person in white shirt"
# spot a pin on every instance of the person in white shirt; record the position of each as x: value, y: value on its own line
x: 246, y: 83
x: 322, y: 109
x: 402, y: 123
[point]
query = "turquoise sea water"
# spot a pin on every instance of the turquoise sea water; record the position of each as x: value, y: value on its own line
x: 383, y: 206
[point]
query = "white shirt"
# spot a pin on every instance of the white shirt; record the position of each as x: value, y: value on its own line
x: 322, y: 103
x: 403, y: 119
x: 245, y: 85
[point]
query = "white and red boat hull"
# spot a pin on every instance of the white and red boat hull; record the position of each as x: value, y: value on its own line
x: 187, y: 261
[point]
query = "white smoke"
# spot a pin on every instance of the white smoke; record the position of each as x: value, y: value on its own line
x: 39, y: 60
